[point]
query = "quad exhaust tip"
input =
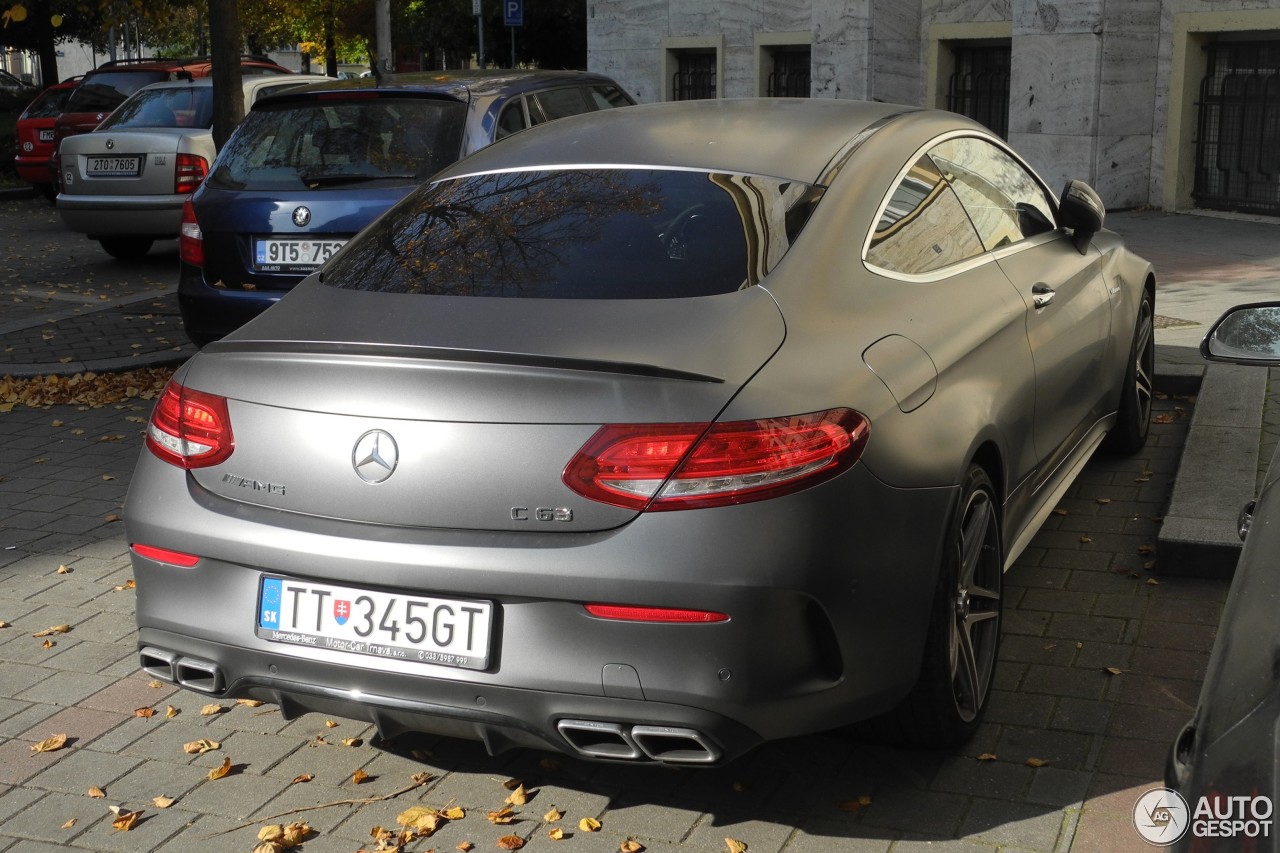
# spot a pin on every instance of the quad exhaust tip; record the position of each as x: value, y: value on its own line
x: 200, y: 675
x: 624, y: 742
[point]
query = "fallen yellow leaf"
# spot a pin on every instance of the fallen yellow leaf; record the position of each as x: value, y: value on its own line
x: 249, y: 703
x: 553, y: 815
x: 50, y: 744
x: 589, y: 824
x: 502, y: 816
x: 144, y: 712
x: 170, y: 712
x: 97, y: 793
x: 518, y: 797
x: 126, y: 820
x: 211, y: 709
x: 221, y: 770
x: 510, y: 842
x: 455, y: 813
x: 64, y: 570
x: 735, y: 846
x: 358, y: 777
x: 987, y: 756
x: 352, y: 741
x: 555, y: 834
x: 630, y: 846
x: 305, y: 777
x: 51, y: 630
x: 1036, y: 762
x: 68, y: 824
x: 162, y: 802
x: 200, y: 747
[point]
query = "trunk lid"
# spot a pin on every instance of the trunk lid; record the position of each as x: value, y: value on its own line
x: 480, y: 403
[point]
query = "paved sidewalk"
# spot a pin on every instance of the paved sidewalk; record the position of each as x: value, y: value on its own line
x: 1067, y: 748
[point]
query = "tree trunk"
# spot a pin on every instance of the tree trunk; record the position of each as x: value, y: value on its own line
x: 48, y: 62
x: 225, y: 44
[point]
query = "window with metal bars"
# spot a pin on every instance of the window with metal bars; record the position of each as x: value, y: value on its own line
x: 979, y: 87
x: 790, y: 75
x: 695, y: 76
x: 1238, y: 133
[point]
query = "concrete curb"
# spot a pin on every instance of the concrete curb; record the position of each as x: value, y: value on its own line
x: 100, y: 365
x: 1216, y: 475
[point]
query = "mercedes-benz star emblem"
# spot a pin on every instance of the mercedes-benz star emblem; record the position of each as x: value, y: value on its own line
x: 375, y: 456
x: 111, y: 143
x: 301, y: 216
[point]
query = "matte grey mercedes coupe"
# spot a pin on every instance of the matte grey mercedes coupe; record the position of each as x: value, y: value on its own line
x: 649, y: 435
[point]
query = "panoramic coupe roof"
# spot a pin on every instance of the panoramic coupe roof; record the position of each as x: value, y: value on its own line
x: 782, y: 137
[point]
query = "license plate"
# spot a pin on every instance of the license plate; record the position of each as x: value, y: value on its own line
x: 448, y: 632
x: 272, y: 255
x: 46, y: 135
x: 114, y: 167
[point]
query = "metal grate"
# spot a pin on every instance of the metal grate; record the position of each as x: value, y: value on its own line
x: 790, y: 77
x: 1238, y: 144
x: 979, y: 87
x: 695, y: 77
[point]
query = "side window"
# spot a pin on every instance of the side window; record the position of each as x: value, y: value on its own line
x: 1005, y: 202
x: 559, y: 103
x: 605, y: 97
x: 512, y: 119
x: 924, y: 228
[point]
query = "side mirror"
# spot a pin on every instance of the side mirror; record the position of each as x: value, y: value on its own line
x: 1081, y: 210
x: 1247, y: 334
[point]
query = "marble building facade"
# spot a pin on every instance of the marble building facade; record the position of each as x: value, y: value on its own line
x: 1104, y: 90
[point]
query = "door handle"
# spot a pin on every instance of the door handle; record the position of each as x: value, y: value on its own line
x: 1042, y: 295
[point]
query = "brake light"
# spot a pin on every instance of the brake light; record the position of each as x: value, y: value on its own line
x: 628, y: 613
x: 164, y: 555
x: 683, y: 466
x: 190, y: 429
x: 190, y: 237
x: 189, y: 173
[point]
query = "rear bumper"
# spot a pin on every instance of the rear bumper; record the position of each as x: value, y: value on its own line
x: 122, y: 215
x: 209, y: 313
x: 828, y: 599
x: 33, y: 170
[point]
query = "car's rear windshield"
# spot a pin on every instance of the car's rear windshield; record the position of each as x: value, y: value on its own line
x: 579, y: 234
x: 180, y: 106
x: 48, y: 105
x: 328, y: 143
x: 103, y: 92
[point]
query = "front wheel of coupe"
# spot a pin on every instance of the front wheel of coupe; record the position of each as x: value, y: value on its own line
x: 946, y: 705
x: 1133, y: 418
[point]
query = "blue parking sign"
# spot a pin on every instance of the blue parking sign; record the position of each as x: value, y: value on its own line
x: 513, y: 13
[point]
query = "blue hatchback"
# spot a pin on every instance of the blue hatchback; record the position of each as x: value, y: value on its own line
x: 309, y: 168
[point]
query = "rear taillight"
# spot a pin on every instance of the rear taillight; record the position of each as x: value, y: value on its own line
x: 190, y: 429
x: 683, y: 466
x: 189, y: 173
x: 190, y: 237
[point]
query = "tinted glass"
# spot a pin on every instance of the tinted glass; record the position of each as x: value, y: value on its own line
x: 48, y: 105
x: 605, y: 97
x: 179, y: 107
x: 103, y: 92
x: 577, y: 234
x: 512, y: 119
x: 326, y: 143
x: 924, y: 228
x: 1005, y: 202
x: 559, y: 103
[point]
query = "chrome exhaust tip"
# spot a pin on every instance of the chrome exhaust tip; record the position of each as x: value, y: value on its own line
x: 675, y: 746
x: 157, y: 663
x: 599, y: 740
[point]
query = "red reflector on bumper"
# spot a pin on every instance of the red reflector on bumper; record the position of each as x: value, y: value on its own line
x: 164, y: 555
x: 627, y: 613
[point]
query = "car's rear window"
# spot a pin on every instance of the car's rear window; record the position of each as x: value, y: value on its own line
x: 180, y: 106
x: 103, y: 92
x: 326, y: 143
x: 48, y: 105
x: 579, y: 234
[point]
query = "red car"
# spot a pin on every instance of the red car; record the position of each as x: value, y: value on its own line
x: 35, y: 135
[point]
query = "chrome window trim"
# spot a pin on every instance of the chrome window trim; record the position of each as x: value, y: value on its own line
x: 977, y: 260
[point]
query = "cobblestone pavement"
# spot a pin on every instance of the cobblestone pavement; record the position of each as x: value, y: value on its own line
x: 1081, y: 600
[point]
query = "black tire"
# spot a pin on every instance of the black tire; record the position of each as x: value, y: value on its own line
x: 946, y: 705
x: 1133, y: 415
x: 126, y: 248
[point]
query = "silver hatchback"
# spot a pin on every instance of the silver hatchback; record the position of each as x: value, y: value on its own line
x: 124, y: 184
